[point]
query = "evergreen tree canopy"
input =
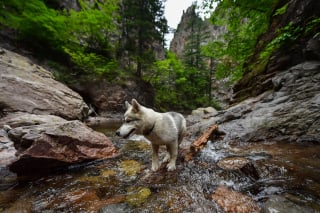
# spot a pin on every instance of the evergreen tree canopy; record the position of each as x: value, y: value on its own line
x: 144, y: 26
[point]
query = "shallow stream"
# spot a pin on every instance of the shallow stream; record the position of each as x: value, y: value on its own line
x: 126, y: 183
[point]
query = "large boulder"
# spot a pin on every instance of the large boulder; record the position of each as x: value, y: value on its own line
x: 18, y: 119
x: 27, y: 87
x: 44, y: 147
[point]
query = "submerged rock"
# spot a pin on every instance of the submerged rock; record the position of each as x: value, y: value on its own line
x: 130, y: 167
x: 279, y: 204
x: 44, y: 147
x: 241, y: 164
x: 232, y: 201
x: 233, y: 163
x: 137, y: 196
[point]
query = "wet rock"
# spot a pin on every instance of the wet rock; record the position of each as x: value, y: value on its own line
x: 279, y: 204
x: 160, y: 178
x: 44, y: 147
x: 173, y: 199
x: 232, y: 201
x: 233, y: 163
x: 113, y: 208
x: 27, y: 87
x: 7, y: 180
x: 81, y: 200
x: 239, y: 163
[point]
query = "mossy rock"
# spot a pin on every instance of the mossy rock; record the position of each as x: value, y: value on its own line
x: 130, y: 167
x: 108, y: 173
x: 137, y: 196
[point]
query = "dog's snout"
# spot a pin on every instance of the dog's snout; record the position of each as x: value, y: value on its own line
x: 118, y: 133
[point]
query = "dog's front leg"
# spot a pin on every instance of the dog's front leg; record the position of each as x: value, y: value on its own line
x: 155, y: 157
x: 173, y: 151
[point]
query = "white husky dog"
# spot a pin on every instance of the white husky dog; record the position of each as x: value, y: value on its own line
x: 160, y: 128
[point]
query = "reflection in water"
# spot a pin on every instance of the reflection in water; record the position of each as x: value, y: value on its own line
x: 126, y: 183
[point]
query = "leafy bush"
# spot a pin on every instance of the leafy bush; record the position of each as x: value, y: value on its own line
x: 179, y: 86
x: 80, y: 37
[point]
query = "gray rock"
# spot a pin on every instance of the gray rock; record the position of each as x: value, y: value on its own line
x: 25, y: 119
x: 279, y: 204
x: 26, y: 87
x: 7, y: 150
x: 290, y: 113
x: 204, y: 111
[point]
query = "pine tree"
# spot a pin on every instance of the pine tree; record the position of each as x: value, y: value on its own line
x: 143, y: 26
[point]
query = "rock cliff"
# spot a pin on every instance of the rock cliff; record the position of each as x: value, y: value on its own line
x: 298, y: 27
x: 183, y: 32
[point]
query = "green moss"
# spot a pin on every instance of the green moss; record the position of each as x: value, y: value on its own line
x: 130, y: 167
x: 137, y: 196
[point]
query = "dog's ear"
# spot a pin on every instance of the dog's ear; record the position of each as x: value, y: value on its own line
x: 135, y: 105
x: 127, y: 104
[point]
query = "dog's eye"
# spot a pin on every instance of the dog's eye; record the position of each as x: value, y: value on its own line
x: 130, y: 120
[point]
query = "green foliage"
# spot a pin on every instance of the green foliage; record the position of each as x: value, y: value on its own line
x: 245, y: 20
x: 286, y: 35
x: 313, y: 26
x: 80, y: 37
x: 179, y: 85
x: 282, y: 10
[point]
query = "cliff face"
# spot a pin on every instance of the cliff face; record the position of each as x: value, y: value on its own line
x: 183, y: 33
x: 296, y: 31
x: 189, y: 25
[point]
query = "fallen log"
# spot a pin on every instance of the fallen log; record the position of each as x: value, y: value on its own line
x: 200, y: 142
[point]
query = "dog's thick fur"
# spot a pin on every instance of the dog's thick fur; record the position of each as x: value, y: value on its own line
x: 160, y: 128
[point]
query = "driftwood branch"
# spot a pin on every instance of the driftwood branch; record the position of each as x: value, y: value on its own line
x: 200, y: 142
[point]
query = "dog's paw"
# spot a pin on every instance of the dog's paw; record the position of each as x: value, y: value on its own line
x: 171, y: 167
x: 166, y: 159
x: 155, y: 167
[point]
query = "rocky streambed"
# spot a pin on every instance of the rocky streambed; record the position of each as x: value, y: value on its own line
x: 223, y: 177
x: 264, y: 155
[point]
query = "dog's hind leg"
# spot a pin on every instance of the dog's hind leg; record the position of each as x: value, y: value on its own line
x: 155, y: 157
x: 173, y: 151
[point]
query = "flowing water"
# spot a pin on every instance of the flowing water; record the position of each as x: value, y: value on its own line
x: 126, y: 184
